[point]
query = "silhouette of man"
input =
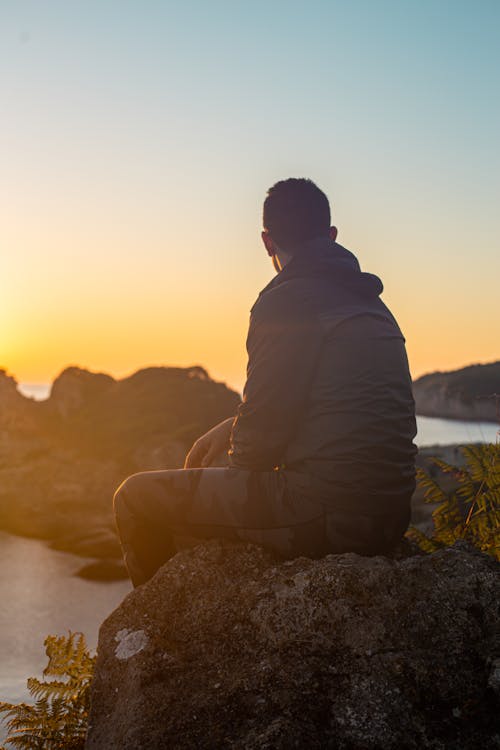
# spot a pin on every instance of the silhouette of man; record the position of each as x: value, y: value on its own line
x: 321, y: 455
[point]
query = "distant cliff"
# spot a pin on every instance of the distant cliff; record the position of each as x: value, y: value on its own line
x: 460, y: 394
x: 61, y: 459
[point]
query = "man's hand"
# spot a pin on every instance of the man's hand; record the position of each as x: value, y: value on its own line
x: 209, y: 446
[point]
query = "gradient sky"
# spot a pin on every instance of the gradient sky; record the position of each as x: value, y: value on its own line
x: 138, y: 140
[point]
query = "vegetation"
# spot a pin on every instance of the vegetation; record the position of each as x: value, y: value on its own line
x: 471, y: 511
x: 58, y: 719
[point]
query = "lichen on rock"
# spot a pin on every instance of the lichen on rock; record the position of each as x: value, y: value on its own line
x: 130, y: 643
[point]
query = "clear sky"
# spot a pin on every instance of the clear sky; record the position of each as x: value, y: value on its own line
x: 138, y: 140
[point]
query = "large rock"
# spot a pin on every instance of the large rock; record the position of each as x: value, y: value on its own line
x: 225, y: 648
x: 20, y: 432
x: 62, y: 458
x: 75, y: 387
x: 60, y: 496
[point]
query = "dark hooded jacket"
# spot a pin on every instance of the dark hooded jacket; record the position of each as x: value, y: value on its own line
x: 328, y: 397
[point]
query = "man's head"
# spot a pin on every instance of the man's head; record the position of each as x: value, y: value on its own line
x: 295, y: 211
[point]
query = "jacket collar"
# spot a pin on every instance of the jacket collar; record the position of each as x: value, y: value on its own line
x: 324, y: 258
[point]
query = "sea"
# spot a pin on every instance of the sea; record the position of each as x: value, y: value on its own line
x: 40, y: 593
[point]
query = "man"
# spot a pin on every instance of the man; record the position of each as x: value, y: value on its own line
x: 321, y: 458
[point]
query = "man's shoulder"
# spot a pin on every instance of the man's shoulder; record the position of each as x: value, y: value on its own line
x: 288, y: 298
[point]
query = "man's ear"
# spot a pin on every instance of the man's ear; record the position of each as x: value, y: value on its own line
x: 333, y: 233
x: 268, y: 243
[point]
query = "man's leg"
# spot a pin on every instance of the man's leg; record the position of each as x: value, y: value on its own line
x: 155, y: 509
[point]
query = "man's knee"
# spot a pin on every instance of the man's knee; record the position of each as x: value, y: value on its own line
x: 152, y: 497
x: 126, y: 496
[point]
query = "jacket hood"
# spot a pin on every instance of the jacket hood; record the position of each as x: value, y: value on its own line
x: 325, y: 258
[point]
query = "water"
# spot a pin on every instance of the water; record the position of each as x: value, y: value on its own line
x: 40, y: 595
x: 434, y: 431
x: 38, y: 391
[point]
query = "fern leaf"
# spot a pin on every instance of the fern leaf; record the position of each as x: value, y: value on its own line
x: 472, y: 511
x: 433, y: 492
x: 58, y: 719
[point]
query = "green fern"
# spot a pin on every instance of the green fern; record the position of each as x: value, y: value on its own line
x: 59, y: 717
x: 472, y: 510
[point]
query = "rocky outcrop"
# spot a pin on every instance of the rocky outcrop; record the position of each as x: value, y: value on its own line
x: 21, y: 434
x: 62, y: 459
x: 226, y: 648
x: 460, y: 394
x: 75, y: 387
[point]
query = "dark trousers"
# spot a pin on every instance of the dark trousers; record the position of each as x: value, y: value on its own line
x: 160, y: 512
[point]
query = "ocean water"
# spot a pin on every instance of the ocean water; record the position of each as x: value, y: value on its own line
x: 38, y: 391
x: 40, y: 595
x: 434, y: 431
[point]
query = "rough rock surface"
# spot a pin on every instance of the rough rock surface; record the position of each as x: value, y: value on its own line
x: 226, y: 648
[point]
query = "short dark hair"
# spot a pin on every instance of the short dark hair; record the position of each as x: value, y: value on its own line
x: 296, y: 210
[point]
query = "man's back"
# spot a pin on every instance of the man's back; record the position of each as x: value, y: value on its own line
x: 329, y: 394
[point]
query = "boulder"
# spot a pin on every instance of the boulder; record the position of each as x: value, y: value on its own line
x: 103, y: 570
x: 101, y: 543
x: 20, y: 433
x: 227, y: 648
x: 64, y: 498
x: 75, y: 387
x: 61, y: 459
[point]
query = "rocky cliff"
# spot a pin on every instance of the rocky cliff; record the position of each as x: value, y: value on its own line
x: 226, y: 648
x: 460, y: 394
x: 62, y: 459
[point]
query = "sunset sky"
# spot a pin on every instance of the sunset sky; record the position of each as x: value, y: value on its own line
x: 138, y: 140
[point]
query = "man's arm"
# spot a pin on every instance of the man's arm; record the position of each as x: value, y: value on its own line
x: 284, y: 342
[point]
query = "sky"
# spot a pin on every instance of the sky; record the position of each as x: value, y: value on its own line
x: 138, y: 139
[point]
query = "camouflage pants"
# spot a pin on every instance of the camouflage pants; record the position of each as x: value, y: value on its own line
x: 159, y: 512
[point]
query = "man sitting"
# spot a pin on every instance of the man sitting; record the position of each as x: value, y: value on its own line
x: 321, y: 454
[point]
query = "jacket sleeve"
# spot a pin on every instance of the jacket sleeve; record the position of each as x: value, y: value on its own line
x: 283, y: 344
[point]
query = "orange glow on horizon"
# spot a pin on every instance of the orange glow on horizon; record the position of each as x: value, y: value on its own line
x: 185, y: 300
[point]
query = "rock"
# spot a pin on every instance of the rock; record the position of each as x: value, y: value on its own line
x: 62, y: 459
x: 75, y: 387
x: 61, y: 497
x: 471, y: 393
x: 101, y: 543
x: 159, y: 452
x: 21, y: 436
x: 226, y: 648
x: 103, y: 570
